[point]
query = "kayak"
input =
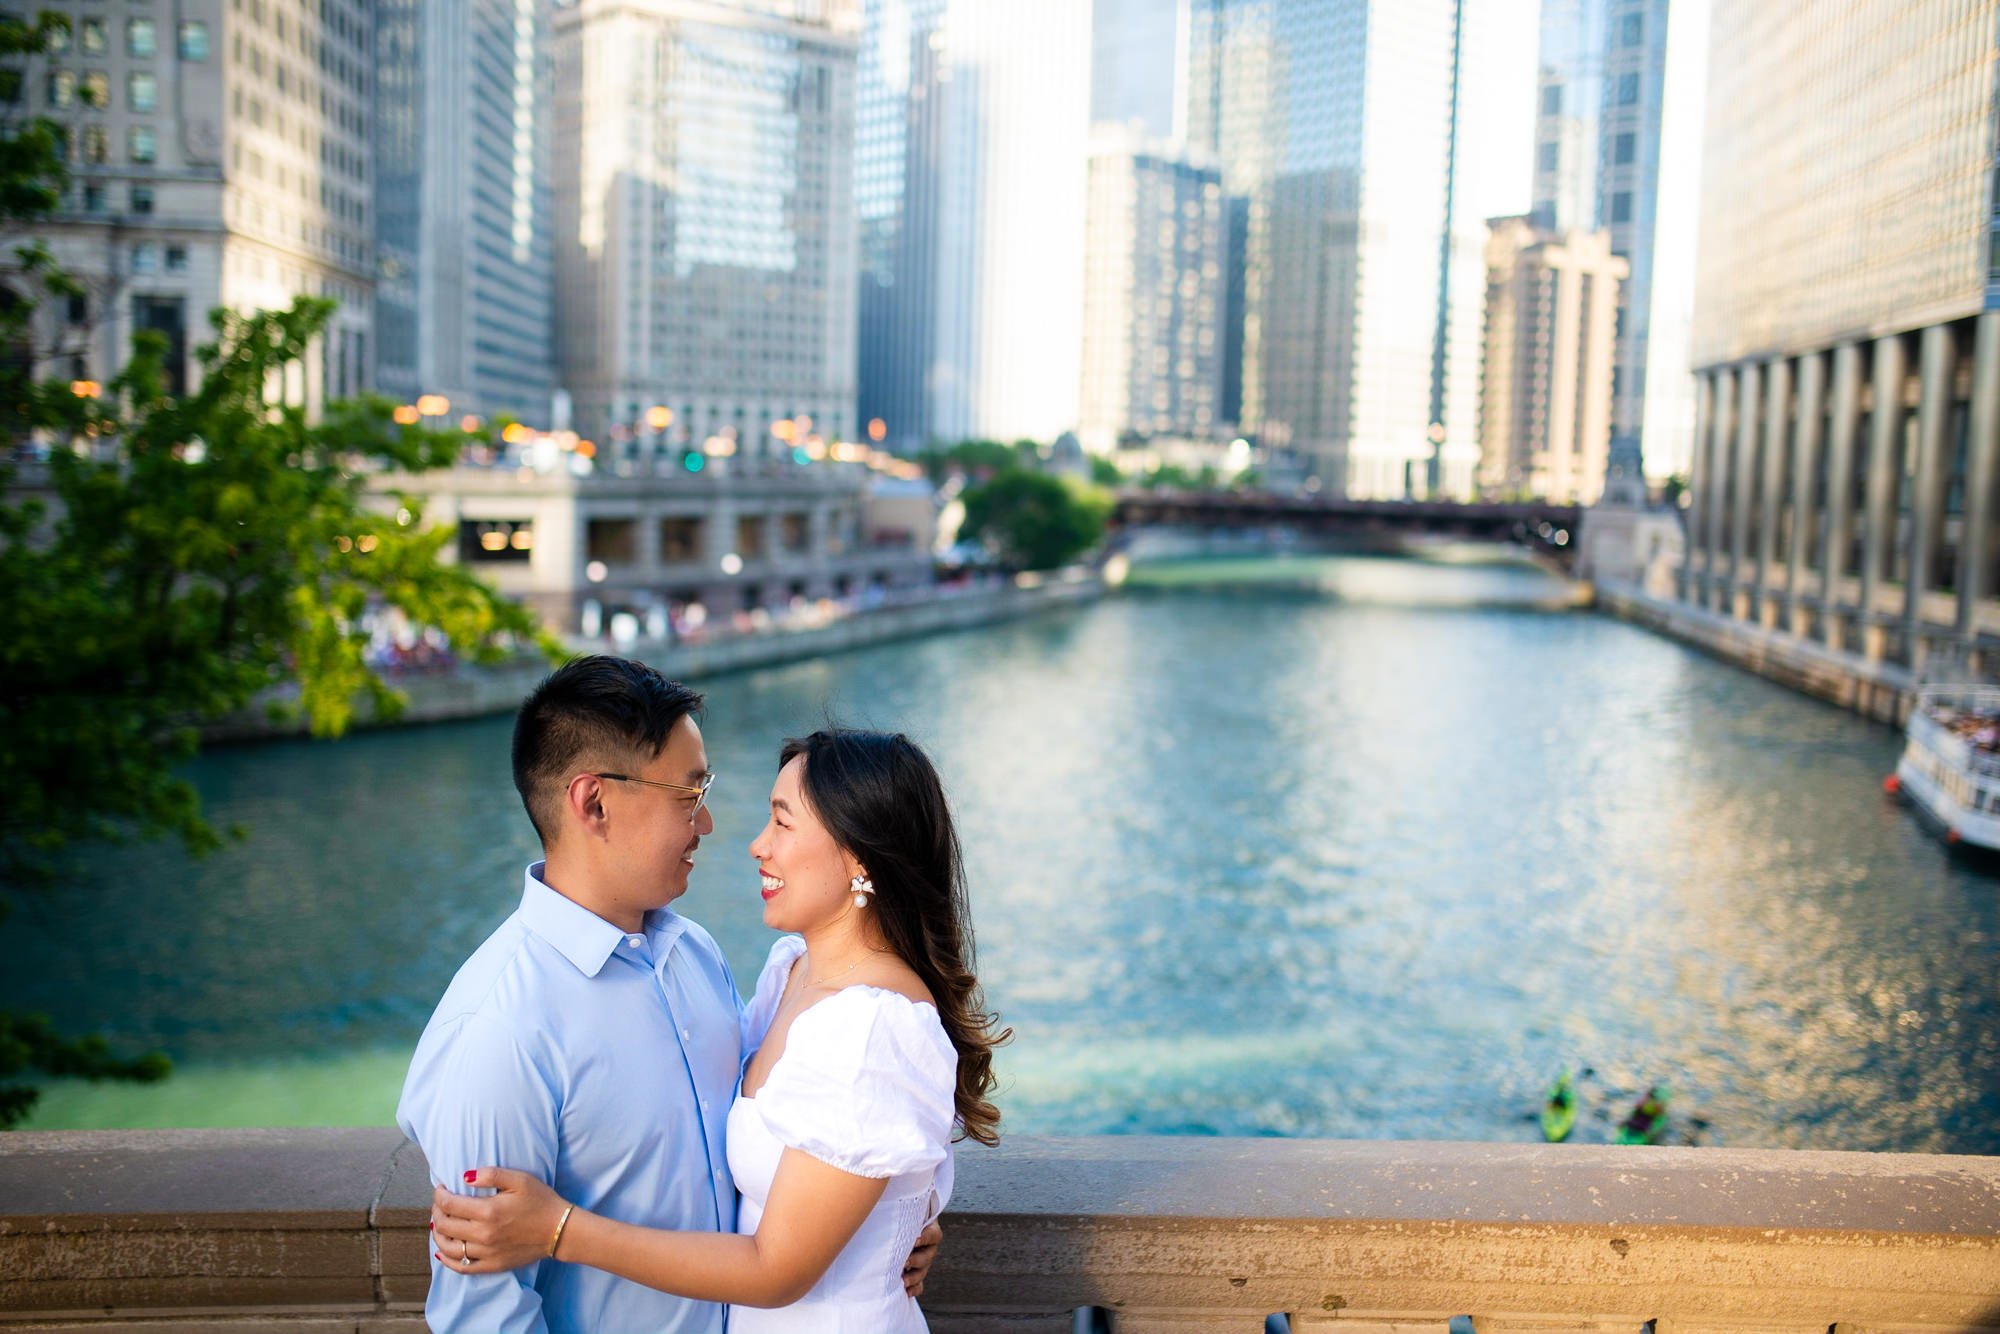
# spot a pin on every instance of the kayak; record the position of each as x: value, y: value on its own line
x: 1648, y: 1120
x: 1559, y: 1110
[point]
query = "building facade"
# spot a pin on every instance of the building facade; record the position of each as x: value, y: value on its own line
x: 1346, y: 134
x: 581, y: 545
x: 704, y: 220
x: 974, y: 124
x: 465, y: 299
x: 220, y: 156
x: 1545, y: 395
x: 1602, y: 92
x: 1848, y: 361
x: 1154, y: 247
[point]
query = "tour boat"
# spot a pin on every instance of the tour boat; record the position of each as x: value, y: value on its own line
x: 1951, y: 765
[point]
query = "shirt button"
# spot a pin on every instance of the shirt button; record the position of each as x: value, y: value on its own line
x: 686, y: 1036
x: 634, y: 941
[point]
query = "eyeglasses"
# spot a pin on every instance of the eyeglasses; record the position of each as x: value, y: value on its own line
x: 700, y: 794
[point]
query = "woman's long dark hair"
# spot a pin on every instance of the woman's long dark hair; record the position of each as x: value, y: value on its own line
x: 879, y: 796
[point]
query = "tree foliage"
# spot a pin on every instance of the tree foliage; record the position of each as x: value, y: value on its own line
x: 1033, y: 521
x: 171, y: 560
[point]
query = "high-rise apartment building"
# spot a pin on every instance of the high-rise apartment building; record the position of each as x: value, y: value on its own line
x: 1348, y: 132
x: 1602, y: 92
x: 1847, y: 327
x: 971, y: 142
x: 220, y: 157
x: 465, y: 303
x: 704, y: 219
x: 1545, y: 408
x: 1152, y: 291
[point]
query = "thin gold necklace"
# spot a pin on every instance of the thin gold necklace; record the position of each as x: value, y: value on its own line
x: 835, y: 976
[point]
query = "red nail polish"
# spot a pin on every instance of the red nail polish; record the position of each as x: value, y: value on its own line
x: 470, y: 1173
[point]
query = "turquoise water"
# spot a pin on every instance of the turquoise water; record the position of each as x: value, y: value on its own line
x: 1368, y: 850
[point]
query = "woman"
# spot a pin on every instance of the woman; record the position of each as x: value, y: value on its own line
x: 869, y: 1045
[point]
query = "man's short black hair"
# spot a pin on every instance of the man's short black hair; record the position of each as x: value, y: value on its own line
x: 589, y: 712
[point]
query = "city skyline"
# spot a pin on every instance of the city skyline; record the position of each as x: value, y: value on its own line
x: 962, y: 314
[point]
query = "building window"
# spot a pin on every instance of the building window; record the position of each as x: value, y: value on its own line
x: 1552, y: 100
x: 141, y: 144
x: 1632, y: 30
x: 194, y: 40
x: 613, y: 541
x: 1546, y: 156
x: 145, y: 258
x: 496, y: 541
x: 1624, y: 147
x: 750, y: 537
x: 1621, y: 206
x: 177, y: 259
x: 142, y: 91
x: 79, y: 308
x: 62, y: 87
x: 142, y: 41
x: 91, y: 39
x: 93, y: 199
x: 96, y: 145
x: 680, y: 539
x: 1628, y: 90
x: 142, y: 199
x: 797, y: 532
x: 94, y: 90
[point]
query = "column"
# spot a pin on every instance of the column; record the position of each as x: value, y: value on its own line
x: 1719, y: 472
x: 1939, y: 365
x: 1982, y: 469
x: 1700, y: 481
x: 1807, y: 516
x: 1749, y: 378
x: 1777, y: 408
x: 1885, y: 439
x: 1839, y: 534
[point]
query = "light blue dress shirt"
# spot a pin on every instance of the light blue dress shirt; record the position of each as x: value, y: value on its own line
x: 603, y: 1063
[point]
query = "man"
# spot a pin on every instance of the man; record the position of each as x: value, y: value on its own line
x: 593, y: 1039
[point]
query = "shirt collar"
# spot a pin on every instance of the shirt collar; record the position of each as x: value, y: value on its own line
x: 579, y: 934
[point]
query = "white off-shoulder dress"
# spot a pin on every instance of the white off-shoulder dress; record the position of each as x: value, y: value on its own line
x: 865, y: 1083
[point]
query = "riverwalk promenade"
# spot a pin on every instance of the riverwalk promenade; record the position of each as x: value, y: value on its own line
x: 323, y: 1232
x: 462, y: 691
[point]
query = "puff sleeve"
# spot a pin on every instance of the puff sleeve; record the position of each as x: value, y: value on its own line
x: 756, y: 1017
x: 865, y: 1084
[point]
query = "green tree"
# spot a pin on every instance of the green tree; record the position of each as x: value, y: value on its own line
x: 1033, y: 521
x: 173, y: 560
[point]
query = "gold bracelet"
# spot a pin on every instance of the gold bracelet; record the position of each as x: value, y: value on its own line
x: 561, y: 1223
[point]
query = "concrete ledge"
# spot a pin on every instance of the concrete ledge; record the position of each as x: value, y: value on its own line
x: 1883, y: 691
x: 323, y: 1230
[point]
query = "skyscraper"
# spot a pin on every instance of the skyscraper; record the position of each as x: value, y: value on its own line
x: 1348, y: 131
x: 220, y: 157
x: 973, y: 126
x: 1847, y: 327
x: 1138, y: 64
x: 1598, y: 139
x: 704, y: 237
x: 465, y: 305
x: 1152, y: 310
x: 1551, y: 312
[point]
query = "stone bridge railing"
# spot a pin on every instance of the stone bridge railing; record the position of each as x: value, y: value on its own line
x: 322, y: 1232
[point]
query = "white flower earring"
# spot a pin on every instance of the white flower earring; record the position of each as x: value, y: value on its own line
x: 864, y: 890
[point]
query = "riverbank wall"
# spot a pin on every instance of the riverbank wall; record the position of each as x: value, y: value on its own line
x: 474, y: 692
x: 1880, y: 690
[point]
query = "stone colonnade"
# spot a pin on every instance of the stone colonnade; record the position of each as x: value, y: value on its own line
x: 1846, y: 495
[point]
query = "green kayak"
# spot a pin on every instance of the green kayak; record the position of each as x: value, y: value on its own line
x: 1559, y: 1109
x: 1648, y: 1120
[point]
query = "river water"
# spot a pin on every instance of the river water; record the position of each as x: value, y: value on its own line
x: 1330, y: 847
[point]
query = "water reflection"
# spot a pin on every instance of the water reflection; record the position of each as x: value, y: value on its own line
x: 1244, y: 862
